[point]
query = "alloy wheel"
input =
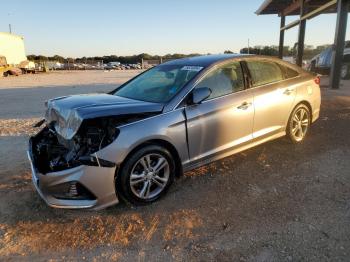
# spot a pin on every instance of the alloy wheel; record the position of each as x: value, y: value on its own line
x: 300, y: 124
x: 149, y: 176
x: 344, y: 71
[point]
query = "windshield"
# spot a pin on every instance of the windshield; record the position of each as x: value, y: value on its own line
x: 159, y: 84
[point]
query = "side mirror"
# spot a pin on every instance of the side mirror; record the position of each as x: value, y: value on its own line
x: 200, y: 94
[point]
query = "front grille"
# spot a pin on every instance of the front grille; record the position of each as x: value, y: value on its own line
x: 73, y: 191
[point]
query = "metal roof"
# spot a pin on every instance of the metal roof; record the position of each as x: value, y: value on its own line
x: 210, y: 60
x: 292, y: 7
x: 6, y: 34
x: 204, y: 60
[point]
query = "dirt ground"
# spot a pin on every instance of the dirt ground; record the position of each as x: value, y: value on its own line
x: 275, y: 202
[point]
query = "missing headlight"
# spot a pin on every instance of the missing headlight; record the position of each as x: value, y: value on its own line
x: 95, y: 161
x: 51, y: 152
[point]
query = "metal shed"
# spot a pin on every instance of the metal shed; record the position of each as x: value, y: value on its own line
x: 308, y: 9
x: 12, y: 47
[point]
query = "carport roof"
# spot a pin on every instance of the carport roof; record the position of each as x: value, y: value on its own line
x: 292, y: 7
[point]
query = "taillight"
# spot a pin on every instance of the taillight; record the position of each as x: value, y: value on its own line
x: 317, y: 80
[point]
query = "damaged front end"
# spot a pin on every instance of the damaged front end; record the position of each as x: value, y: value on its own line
x: 66, y: 169
x: 52, y: 152
x: 67, y: 173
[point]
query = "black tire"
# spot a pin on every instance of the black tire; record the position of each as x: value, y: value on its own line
x: 292, y: 124
x: 345, y: 71
x: 123, y: 185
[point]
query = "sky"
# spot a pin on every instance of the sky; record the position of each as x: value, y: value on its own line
x: 114, y: 27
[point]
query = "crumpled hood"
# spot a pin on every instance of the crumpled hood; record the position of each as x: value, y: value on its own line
x: 68, y: 112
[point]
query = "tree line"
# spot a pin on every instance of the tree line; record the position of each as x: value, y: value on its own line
x: 133, y: 59
x: 309, y: 52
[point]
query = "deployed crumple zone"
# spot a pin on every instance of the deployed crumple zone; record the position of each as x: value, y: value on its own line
x: 67, y: 113
x: 51, y: 152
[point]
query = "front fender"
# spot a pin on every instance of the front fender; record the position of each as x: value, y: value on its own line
x: 169, y: 127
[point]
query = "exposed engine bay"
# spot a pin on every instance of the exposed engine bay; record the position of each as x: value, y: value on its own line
x: 78, y: 126
x: 52, y: 152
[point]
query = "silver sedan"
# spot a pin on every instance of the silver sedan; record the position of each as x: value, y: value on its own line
x: 131, y: 143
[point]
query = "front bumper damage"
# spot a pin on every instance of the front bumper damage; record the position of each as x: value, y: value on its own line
x: 83, y: 186
x: 68, y: 169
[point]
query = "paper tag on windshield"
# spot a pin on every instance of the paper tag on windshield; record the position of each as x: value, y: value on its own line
x: 192, y: 68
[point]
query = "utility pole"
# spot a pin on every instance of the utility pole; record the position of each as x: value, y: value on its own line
x: 248, y: 47
x: 9, y: 19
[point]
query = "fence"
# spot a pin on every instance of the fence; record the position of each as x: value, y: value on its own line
x: 147, y: 63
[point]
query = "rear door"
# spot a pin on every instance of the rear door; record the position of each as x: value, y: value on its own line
x: 225, y: 119
x: 273, y: 97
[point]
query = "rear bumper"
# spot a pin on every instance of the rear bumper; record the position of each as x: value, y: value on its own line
x: 98, y: 180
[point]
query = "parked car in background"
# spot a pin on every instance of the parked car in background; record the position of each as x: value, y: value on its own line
x: 321, y: 63
x: 131, y: 143
x: 112, y: 65
x: 27, y: 67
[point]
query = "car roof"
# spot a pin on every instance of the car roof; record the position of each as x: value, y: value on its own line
x: 203, y: 60
x: 209, y: 60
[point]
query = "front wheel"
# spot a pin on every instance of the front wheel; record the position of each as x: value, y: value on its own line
x: 146, y: 175
x: 299, y: 123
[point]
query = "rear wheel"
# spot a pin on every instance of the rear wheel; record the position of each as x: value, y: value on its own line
x: 299, y: 123
x: 146, y: 175
x: 345, y: 71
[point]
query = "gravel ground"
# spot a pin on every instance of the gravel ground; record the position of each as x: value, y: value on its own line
x: 275, y: 202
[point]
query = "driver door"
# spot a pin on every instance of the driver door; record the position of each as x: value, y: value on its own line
x: 225, y: 119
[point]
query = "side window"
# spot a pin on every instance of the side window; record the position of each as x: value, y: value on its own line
x: 264, y: 72
x: 224, y: 80
x: 290, y: 73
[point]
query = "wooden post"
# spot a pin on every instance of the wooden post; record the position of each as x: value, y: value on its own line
x: 339, y: 43
x: 281, y: 44
x: 301, y: 36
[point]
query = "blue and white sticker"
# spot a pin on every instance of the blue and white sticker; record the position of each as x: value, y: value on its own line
x: 192, y: 68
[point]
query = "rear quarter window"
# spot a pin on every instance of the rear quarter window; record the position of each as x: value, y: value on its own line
x: 264, y: 72
x: 290, y: 73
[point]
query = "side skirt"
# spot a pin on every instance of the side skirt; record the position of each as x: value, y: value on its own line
x: 240, y: 148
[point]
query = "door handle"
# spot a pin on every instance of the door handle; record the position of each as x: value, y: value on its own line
x: 288, y: 92
x: 244, y: 105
